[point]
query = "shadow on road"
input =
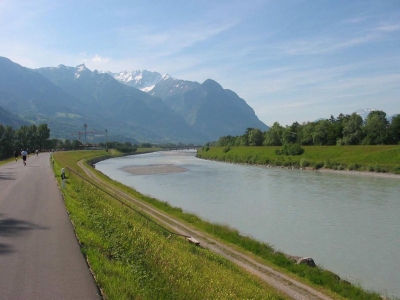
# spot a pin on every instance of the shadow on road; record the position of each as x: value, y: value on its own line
x: 10, y: 227
x: 5, y: 249
x: 6, y: 176
x: 14, y: 227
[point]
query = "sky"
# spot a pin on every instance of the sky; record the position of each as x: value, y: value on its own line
x: 290, y: 60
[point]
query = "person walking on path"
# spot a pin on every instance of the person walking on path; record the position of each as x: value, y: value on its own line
x: 24, y: 154
x: 16, y: 155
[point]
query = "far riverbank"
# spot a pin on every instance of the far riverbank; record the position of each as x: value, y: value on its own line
x: 380, y: 161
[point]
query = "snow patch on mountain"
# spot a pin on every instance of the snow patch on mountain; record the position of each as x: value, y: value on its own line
x: 79, y: 69
x: 141, y: 79
x: 364, y: 112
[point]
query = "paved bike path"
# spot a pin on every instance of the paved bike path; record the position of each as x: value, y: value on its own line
x: 40, y: 257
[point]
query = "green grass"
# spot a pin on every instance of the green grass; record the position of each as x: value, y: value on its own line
x: 314, y: 276
x: 362, y: 158
x: 133, y: 259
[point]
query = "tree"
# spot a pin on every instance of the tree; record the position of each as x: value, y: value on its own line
x: 307, y: 134
x: 352, y: 130
x: 7, y: 141
x: 76, y: 144
x: 43, y: 133
x: 376, y: 128
x: 255, y: 137
x: 273, y: 137
x: 32, y: 137
x: 320, y: 135
x: 22, y: 137
x: 394, y: 130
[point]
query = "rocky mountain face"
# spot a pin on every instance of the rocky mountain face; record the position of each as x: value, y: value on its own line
x: 142, y: 80
x: 9, y: 119
x: 171, y: 111
x: 207, y: 107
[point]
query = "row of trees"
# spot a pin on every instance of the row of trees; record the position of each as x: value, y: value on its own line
x: 343, y: 130
x: 26, y: 137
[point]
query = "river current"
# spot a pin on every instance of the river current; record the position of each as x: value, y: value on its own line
x: 348, y: 224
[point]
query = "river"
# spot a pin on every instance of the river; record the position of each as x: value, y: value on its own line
x: 348, y: 224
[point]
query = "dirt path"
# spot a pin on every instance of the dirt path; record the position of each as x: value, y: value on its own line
x: 292, y: 288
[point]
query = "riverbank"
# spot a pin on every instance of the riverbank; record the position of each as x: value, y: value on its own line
x: 382, y: 161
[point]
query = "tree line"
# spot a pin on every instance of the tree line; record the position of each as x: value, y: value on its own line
x: 26, y: 137
x: 343, y: 130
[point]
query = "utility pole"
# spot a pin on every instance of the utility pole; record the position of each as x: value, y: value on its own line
x: 85, y: 125
x: 106, y: 141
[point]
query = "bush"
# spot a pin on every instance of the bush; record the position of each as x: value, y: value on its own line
x: 126, y: 149
x: 226, y: 149
x: 328, y: 164
x: 352, y: 167
x: 396, y: 169
x: 304, y: 163
x: 318, y: 165
x: 290, y: 149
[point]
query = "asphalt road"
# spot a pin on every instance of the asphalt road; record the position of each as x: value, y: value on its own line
x: 40, y: 257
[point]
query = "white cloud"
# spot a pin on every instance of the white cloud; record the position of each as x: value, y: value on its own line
x: 98, y: 59
x: 389, y: 27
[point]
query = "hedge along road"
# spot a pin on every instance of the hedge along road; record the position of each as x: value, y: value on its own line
x: 40, y: 256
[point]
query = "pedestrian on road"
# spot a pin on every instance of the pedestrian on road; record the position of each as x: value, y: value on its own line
x: 16, y: 155
x: 24, y: 153
x: 37, y: 152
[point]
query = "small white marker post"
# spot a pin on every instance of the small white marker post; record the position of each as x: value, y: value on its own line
x: 63, y: 178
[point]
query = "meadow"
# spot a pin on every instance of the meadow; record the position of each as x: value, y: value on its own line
x: 380, y: 158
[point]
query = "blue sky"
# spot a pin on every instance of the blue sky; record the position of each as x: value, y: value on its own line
x: 290, y: 60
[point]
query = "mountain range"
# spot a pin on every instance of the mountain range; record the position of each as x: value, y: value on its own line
x: 133, y: 106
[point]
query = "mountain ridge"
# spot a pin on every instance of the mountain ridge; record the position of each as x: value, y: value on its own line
x: 68, y: 97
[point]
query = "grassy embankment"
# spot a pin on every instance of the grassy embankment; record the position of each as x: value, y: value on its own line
x: 357, y: 158
x: 104, y: 229
x: 133, y: 259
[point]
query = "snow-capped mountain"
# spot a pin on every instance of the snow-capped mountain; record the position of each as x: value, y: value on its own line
x: 79, y: 69
x: 364, y: 112
x: 141, y: 79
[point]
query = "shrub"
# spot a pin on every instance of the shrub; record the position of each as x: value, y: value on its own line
x: 290, y: 149
x: 396, y: 169
x: 328, y: 164
x: 318, y: 165
x: 126, y: 149
x: 352, y: 167
x: 226, y: 149
x: 304, y: 163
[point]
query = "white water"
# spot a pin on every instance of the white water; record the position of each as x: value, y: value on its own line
x: 348, y: 224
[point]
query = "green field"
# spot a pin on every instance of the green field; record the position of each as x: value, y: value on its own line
x: 115, y: 240
x: 361, y: 158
